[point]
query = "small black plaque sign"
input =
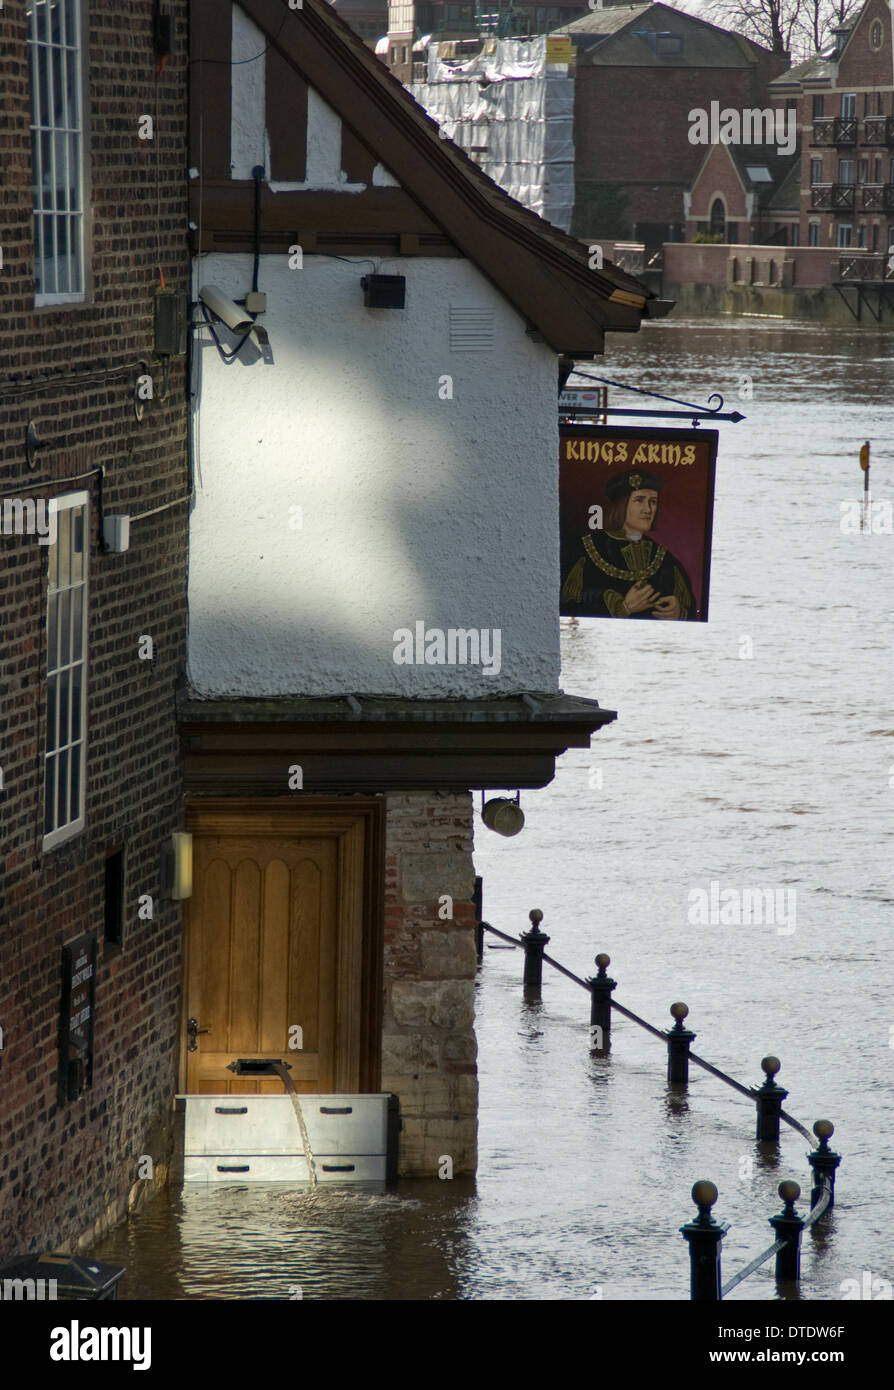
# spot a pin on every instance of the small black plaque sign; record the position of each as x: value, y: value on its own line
x: 76, y: 1019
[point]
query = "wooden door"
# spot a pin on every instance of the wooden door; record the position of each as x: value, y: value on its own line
x: 274, y: 931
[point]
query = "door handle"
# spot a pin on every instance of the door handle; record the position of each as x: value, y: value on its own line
x: 192, y: 1032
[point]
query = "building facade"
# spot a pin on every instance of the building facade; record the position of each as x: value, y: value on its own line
x: 93, y: 634
x: 746, y: 194
x: 640, y: 71
x: 373, y: 588
x: 846, y: 118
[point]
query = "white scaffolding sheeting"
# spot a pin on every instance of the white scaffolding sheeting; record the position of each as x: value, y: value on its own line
x: 514, y: 115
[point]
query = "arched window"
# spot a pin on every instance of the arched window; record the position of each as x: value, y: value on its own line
x: 718, y: 217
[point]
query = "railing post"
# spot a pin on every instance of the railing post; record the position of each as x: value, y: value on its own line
x: 823, y: 1162
x: 769, y: 1102
x: 679, y: 1041
x: 479, y: 940
x: 601, y: 987
x: 788, y: 1226
x: 535, y: 942
x: 704, y: 1236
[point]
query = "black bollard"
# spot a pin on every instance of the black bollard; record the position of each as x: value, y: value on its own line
x: 704, y: 1236
x: 769, y: 1102
x: 823, y: 1162
x: 788, y: 1225
x: 535, y: 942
x: 679, y: 1041
x: 601, y: 1005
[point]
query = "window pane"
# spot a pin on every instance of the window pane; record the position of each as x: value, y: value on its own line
x: 60, y: 153
x: 74, y: 231
x: 53, y: 558
x: 71, y: 29
x: 64, y: 602
x: 64, y: 522
x: 62, y: 250
x: 52, y: 632
x: 77, y: 544
x: 43, y: 85
x: 64, y: 693
x: 56, y: 21
x: 77, y: 685
x: 73, y: 68
x: 74, y: 800
x: 77, y: 624
x: 49, y: 809
x: 52, y: 695
x: 74, y: 196
x: 62, y: 789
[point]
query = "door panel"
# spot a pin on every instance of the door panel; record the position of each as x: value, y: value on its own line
x: 263, y: 944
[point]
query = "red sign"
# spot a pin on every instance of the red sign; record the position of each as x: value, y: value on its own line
x: 635, y: 514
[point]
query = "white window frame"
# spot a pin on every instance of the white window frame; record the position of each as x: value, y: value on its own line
x: 77, y: 738
x: 65, y: 140
x: 843, y: 228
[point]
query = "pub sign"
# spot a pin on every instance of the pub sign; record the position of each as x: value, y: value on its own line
x: 635, y: 513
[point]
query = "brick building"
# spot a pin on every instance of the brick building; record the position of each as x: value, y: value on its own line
x: 340, y: 903
x: 94, y: 208
x: 640, y: 71
x: 846, y: 118
x: 746, y: 194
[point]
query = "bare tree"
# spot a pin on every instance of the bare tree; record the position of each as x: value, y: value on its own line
x: 799, y: 27
x: 771, y: 23
x: 820, y: 17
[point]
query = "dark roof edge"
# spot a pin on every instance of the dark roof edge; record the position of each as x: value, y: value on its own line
x: 193, y: 709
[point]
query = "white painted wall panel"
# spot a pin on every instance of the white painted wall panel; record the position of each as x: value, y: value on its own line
x: 413, y: 508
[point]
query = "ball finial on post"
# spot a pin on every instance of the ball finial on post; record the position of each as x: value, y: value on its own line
x: 600, y: 987
x: 535, y: 943
x: 824, y: 1163
x: 679, y: 1041
x: 769, y: 1098
x: 704, y: 1236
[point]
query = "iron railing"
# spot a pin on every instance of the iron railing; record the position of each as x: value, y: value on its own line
x: 704, y: 1235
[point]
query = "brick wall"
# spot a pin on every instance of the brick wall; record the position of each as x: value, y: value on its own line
x: 68, y: 1170
x: 631, y: 127
x: 718, y: 177
x: 861, y: 70
x: 428, y: 1041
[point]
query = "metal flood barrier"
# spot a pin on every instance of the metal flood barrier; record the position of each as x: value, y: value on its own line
x: 290, y: 1138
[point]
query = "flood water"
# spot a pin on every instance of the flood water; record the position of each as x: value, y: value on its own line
x: 769, y: 772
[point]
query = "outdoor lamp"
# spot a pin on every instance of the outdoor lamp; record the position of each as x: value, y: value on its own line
x: 504, y: 816
x: 177, y: 866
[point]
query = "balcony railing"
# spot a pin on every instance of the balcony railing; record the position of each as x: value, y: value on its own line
x: 865, y: 266
x: 878, y: 130
x: 832, y: 197
x: 835, y: 130
x: 878, y: 197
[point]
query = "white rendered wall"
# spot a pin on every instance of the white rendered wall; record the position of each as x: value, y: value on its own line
x: 413, y: 508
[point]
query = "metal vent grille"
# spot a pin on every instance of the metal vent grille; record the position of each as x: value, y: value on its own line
x: 471, y: 330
